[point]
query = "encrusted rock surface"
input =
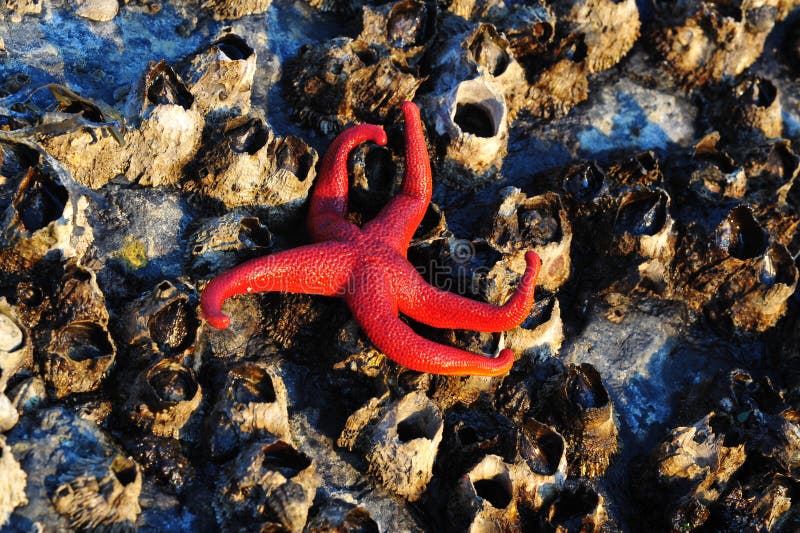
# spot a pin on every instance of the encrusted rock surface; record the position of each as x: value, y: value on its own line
x: 646, y: 150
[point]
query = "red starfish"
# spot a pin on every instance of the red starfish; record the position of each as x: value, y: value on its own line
x: 368, y: 267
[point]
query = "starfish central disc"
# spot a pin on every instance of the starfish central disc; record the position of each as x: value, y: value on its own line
x: 368, y: 267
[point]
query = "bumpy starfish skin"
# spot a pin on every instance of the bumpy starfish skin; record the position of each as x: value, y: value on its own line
x: 368, y: 267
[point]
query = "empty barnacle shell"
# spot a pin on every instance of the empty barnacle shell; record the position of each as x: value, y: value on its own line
x: 694, y: 466
x: 716, y: 174
x: 609, y: 28
x: 474, y: 50
x: 270, y: 484
x: 543, y: 329
x: 220, y: 77
x: 759, y: 107
x: 404, y: 27
x: 340, y: 515
x: 163, y: 398
x: 16, y: 347
x: 472, y: 119
x: 763, y: 504
x: 643, y: 225
x: 223, y: 242
x: 399, y: 439
x: 585, y: 182
x: 705, y: 41
x: 562, y: 83
x: 12, y: 482
x: 529, y: 26
x: 545, y: 468
x: 160, y: 85
x: 576, y: 508
x: 760, y: 273
x: 639, y: 170
x: 579, y: 407
x: 99, y: 493
x: 249, y: 166
x: 43, y: 217
x: 538, y: 223
x: 484, y: 498
x: 78, y: 357
x: 234, y: 9
x: 78, y: 348
x: 161, y: 321
x: 344, y: 80
x: 253, y: 401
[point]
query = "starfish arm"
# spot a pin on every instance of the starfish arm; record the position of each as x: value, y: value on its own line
x: 314, y: 269
x: 375, y: 309
x: 443, y: 309
x: 399, y: 219
x: 326, y: 217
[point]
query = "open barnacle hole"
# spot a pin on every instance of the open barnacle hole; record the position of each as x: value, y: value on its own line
x: 254, y: 401
x: 433, y: 226
x: 740, y: 235
x: 163, y: 398
x: 716, y: 174
x: 585, y: 182
x: 163, y: 87
x: 39, y: 202
x: 489, y: 50
x: 643, y: 225
x: 403, y: 445
x: 578, y: 405
x: 400, y: 440
x: 161, y: 322
x: 759, y: 106
x: 576, y: 507
x: 248, y: 137
x: 484, y: 499
x: 270, y: 484
x: 470, y: 435
x: 529, y: 30
x: 410, y: 23
x: 16, y: 349
x: 474, y: 123
x: 543, y: 329
x: 545, y: 462
x: 78, y: 358
x: 374, y: 174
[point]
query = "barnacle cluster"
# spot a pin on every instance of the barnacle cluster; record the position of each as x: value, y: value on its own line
x: 645, y: 151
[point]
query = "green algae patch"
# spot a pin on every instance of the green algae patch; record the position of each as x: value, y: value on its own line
x: 132, y: 254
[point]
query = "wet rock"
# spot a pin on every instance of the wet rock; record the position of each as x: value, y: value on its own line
x: 400, y: 440
x: 97, y: 10
x: 12, y: 483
